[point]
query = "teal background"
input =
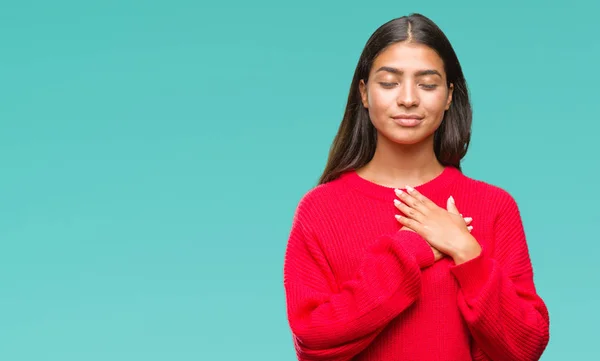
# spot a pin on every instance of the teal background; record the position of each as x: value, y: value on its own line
x: 153, y: 153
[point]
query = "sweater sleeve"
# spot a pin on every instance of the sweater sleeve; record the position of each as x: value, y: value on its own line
x: 331, y: 321
x: 507, y: 318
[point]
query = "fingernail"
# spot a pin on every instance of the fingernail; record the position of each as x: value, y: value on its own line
x: 451, y: 199
x: 470, y: 228
x: 409, y: 189
x: 398, y: 191
x: 468, y: 219
x: 396, y: 202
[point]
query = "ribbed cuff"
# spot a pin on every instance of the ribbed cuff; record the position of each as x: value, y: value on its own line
x: 473, y: 275
x: 416, y: 246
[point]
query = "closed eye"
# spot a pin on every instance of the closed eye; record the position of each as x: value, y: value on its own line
x: 424, y: 86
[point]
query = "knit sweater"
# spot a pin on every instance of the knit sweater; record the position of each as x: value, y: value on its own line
x: 359, y: 288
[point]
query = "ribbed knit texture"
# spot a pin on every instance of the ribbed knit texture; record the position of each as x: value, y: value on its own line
x: 358, y: 288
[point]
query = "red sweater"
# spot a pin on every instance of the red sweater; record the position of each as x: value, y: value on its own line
x: 359, y: 288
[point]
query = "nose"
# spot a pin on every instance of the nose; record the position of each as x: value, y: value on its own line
x: 408, y: 96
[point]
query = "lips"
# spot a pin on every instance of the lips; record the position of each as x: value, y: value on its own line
x: 408, y: 120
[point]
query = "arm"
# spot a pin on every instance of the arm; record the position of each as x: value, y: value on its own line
x: 507, y: 318
x: 331, y: 322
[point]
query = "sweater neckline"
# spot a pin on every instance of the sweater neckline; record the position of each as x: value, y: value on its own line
x: 439, y: 182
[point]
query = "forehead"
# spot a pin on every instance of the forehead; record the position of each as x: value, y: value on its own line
x: 409, y: 57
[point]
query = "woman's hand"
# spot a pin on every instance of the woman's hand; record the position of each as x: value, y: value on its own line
x: 437, y: 255
x: 445, y: 230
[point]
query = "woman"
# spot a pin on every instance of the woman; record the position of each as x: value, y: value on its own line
x: 380, y: 263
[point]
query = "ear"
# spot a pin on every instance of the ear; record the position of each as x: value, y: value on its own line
x: 362, y: 87
x: 450, y: 92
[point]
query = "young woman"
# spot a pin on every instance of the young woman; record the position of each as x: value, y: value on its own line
x: 396, y: 254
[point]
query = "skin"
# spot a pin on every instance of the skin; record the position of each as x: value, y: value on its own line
x: 445, y: 230
x: 409, y: 78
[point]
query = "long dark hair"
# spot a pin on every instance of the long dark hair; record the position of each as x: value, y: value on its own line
x: 356, y: 139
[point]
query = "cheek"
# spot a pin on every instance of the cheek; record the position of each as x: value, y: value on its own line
x: 434, y: 103
x: 380, y: 101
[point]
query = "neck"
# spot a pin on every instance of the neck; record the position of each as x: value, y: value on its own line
x: 398, y: 165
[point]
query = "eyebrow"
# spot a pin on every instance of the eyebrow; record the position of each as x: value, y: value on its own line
x: 400, y: 72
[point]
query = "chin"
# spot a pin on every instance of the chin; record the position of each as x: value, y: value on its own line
x: 406, y: 136
x: 407, y: 140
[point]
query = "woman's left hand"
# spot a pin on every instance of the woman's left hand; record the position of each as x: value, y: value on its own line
x: 443, y: 229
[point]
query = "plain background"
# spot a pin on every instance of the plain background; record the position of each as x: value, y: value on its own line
x: 153, y: 153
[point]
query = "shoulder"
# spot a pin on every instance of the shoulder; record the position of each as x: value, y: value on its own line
x: 320, y: 196
x: 314, y: 206
x: 495, y: 195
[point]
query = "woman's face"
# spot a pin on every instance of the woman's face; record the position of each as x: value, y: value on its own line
x: 406, y: 94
